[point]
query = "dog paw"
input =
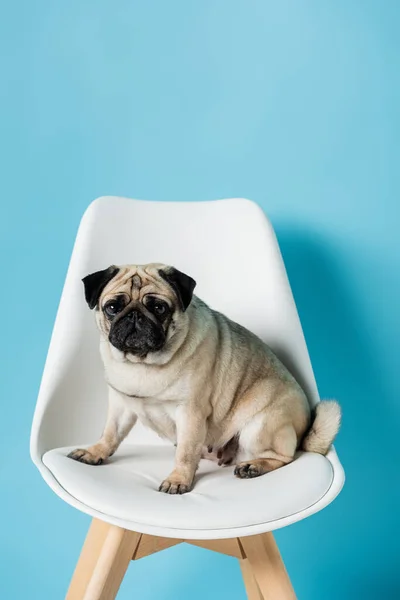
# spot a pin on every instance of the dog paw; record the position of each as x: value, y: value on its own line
x: 174, y: 485
x: 85, y: 456
x: 248, y: 470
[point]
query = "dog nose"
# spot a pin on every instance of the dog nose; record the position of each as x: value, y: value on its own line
x: 135, y: 316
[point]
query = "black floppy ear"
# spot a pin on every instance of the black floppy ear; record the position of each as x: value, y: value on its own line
x: 182, y: 284
x: 95, y: 284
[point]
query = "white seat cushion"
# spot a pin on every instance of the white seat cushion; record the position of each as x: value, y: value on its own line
x: 126, y: 488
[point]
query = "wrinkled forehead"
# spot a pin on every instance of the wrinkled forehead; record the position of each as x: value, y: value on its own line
x: 136, y: 281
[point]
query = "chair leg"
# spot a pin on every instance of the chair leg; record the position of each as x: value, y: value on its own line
x: 267, y: 568
x: 87, y: 561
x: 108, y: 550
x: 104, y: 560
x: 252, y: 589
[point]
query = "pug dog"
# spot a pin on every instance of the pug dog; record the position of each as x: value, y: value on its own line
x: 196, y: 378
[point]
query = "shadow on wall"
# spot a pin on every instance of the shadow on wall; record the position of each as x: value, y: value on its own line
x: 358, y: 528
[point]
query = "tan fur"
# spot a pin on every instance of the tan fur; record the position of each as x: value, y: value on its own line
x: 325, y: 426
x: 212, y: 382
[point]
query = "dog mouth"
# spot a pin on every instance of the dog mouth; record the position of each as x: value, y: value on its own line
x: 126, y: 337
x: 136, y: 347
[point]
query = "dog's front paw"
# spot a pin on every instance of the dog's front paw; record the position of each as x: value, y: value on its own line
x: 86, y: 456
x: 173, y: 488
x: 175, y: 484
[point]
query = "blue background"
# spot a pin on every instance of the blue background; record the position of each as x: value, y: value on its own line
x: 292, y: 104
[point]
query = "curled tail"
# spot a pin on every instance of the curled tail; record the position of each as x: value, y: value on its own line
x: 324, y: 427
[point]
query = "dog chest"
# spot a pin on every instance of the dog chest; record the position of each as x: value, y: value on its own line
x: 157, y: 415
x: 146, y: 381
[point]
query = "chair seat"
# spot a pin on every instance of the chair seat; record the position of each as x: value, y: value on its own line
x: 126, y: 489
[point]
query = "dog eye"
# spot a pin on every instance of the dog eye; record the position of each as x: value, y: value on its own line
x: 112, y: 308
x: 159, y: 308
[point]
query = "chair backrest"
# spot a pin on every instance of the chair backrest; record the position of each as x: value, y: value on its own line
x: 228, y: 246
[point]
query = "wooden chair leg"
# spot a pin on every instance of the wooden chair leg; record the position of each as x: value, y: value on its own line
x: 104, y: 560
x: 267, y: 567
x: 252, y: 589
x: 87, y: 561
x: 108, y: 550
x: 115, y: 556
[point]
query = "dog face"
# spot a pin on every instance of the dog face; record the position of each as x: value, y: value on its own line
x: 138, y: 307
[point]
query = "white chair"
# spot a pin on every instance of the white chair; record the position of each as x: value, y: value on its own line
x: 230, y: 248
